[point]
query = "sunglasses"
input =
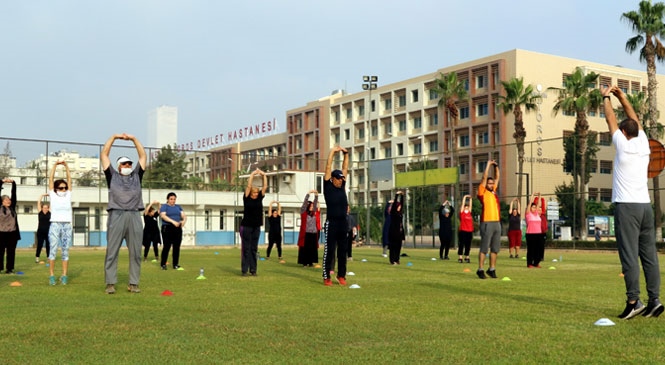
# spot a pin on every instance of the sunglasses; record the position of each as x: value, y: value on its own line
x: 126, y: 163
x: 62, y: 188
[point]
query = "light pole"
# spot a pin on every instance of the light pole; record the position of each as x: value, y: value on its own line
x: 369, y: 83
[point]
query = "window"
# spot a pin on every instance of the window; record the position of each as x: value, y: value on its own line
x: 605, y: 167
x: 481, y: 109
x: 298, y: 144
x: 347, y: 134
x: 361, y: 133
x: 481, y: 81
x: 606, y: 195
x: 361, y: 155
x: 207, y: 219
x: 417, y: 122
x: 433, y: 146
x: 299, y: 165
x: 483, y: 137
x: 348, y: 113
x: 389, y: 128
x: 361, y: 110
x: 417, y: 148
x: 480, y: 166
x: 414, y: 95
x: 593, y: 194
x: 388, y: 152
x: 433, y: 94
x: 434, y: 119
x: 604, y: 139
x: 388, y: 104
x: 372, y: 106
x: 401, y: 100
x: 372, y: 153
x: 336, y: 115
x: 466, y: 84
x: 464, y: 112
x: 402, y: 125
x: 464, y: 140
x: 462, y: 169
x: 400, y: 149
x: 336, y: 137
x: 374, y: 130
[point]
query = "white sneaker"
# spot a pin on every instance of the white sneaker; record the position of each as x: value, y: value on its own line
x: 36, y: 260
x: 384, y: 255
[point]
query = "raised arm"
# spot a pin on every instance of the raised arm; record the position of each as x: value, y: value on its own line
x: 331, y: 158
x: 51, y: 176
x: 143, y: 158
x: 250, y: 179
x: 270, y: 208
x: 41, y: 201
x: 279, y: 209
x: 497, y: 175
x: 610, y: 117
x: 68, y: 175
x: 265, y: 182
x: 106, y: 151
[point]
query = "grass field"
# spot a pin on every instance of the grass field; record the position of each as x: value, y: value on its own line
x: 427, y: 312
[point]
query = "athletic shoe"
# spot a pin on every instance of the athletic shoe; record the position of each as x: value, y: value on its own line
x: 133, y: 288
x: 384, y: 255
x: 467, y: 260
x: 327, y: 282
x: 51, y: 280
x: 481, y: 274
x: 492, y: 273
x: 341, y: 281
x: 164, y: 267
x: 63, y: 280
x: 110, y: 289
x: 446, y: 258
x: 632, y: 310
x: 511, y: 256
x: 36, y: 260
x: 460, y: 261
x: 654, y: 308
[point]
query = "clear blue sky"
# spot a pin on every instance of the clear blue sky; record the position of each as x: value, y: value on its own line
x: 83, y: 70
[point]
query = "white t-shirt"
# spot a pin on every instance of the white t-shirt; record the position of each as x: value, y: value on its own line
x: 631, y: 163
x: 61, y: 206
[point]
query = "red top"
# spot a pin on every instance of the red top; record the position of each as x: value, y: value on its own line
x: 465, y: 221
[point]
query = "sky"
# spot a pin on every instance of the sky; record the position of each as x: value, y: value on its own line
x: 80, y: 71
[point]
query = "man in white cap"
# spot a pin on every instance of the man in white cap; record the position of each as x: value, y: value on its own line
x: 124, y: 217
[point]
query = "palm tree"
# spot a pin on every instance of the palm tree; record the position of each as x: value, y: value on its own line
x: 518, y: 96
x: 451, y: 90
x: 647, y: 23
x: 577, y: 97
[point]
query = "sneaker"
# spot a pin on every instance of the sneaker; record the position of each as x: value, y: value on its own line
x: 110, y: 289
x: 492, y: 273
x: 632, y: 310
x: 36, y: 260
x: 179, y: 268
x: 327, y: 282
x: 51, y: 280
x: 349, y: 259
x: 63, y: 280
x: 164, y: 267
x: 341, y: 281
x: 253, y: 274
x: 446, y: 258
x: 511, y: 256
x: 384, y: 255
x: 654, y: 308
x: 481, y: 274
x: 460, y: 261
x: 133, y: 288
x: 467, y: 260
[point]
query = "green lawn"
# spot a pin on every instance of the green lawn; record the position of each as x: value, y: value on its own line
x: 427, y: 312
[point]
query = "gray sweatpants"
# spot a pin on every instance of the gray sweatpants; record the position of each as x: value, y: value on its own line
x: 636, y: 238
x: 127, y: 225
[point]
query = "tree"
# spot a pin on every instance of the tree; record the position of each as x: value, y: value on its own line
x: 647, y: 23
x: 577, y: 97
x: 91, y: 178
x: 569, y: 208
x: 451, y: 91
x: 572, y: 160
x: 518, y: 96
x: 166, y: 170
x: 5, y: 161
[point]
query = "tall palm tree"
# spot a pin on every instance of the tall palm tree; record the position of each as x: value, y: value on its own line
x: 647, y: 23
x: 578, y: 97
x: 518, y: 96
x: 451, y: 91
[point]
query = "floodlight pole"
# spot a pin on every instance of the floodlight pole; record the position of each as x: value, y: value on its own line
x: 369, y: 83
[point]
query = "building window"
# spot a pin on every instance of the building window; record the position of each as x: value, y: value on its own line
x: 481, y: 81
x: 402, y: 100
x: 417, y: 122
x: 361, y: 110
x: 466, y: 84
x: 402, y: 125
x: 414, y: 95
x: 372, y: 106
x: 361, y: 155
x: 481, y: 109
x: 417, y: 148
x: 299, y: 164
x: 462, y: 169
x: 389, y: 128
x: 361, y: 133
x: 207, y: 219
x: 434, y: 119
x: 347, y: 134
x: 372, y: 153
x: 605, y: 167
x: 349, y: 113
x: 464, y: 140
x: 606, y: 195
x: 593, y: 194
x: 400, y: 149
x: 374, y: 130
x: 222, y: 215
x: 464, y: 112
x: 336, y: 137
x: 433, y: 94
x: 480, y: 166
x: 388, y: 104
x: 388, y: 152
x: 604, y: 139
x: 433, y: 146
x: 336, y: 116
x: 483, y: 138
x: 298, y: 144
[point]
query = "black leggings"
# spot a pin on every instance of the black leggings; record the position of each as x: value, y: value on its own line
x: 42, y: 241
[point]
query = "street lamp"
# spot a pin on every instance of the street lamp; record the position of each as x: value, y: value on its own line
x: 369, y: 83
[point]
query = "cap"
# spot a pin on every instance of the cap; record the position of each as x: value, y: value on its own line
x: 337, y: 174
x: 123, y: 159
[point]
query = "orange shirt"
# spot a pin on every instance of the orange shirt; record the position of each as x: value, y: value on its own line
x: 490, y: 202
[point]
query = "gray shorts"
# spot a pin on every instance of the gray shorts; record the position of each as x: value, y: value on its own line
x: 490, y: 237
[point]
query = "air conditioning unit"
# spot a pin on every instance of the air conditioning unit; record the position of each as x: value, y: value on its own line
x: 286, y: 179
